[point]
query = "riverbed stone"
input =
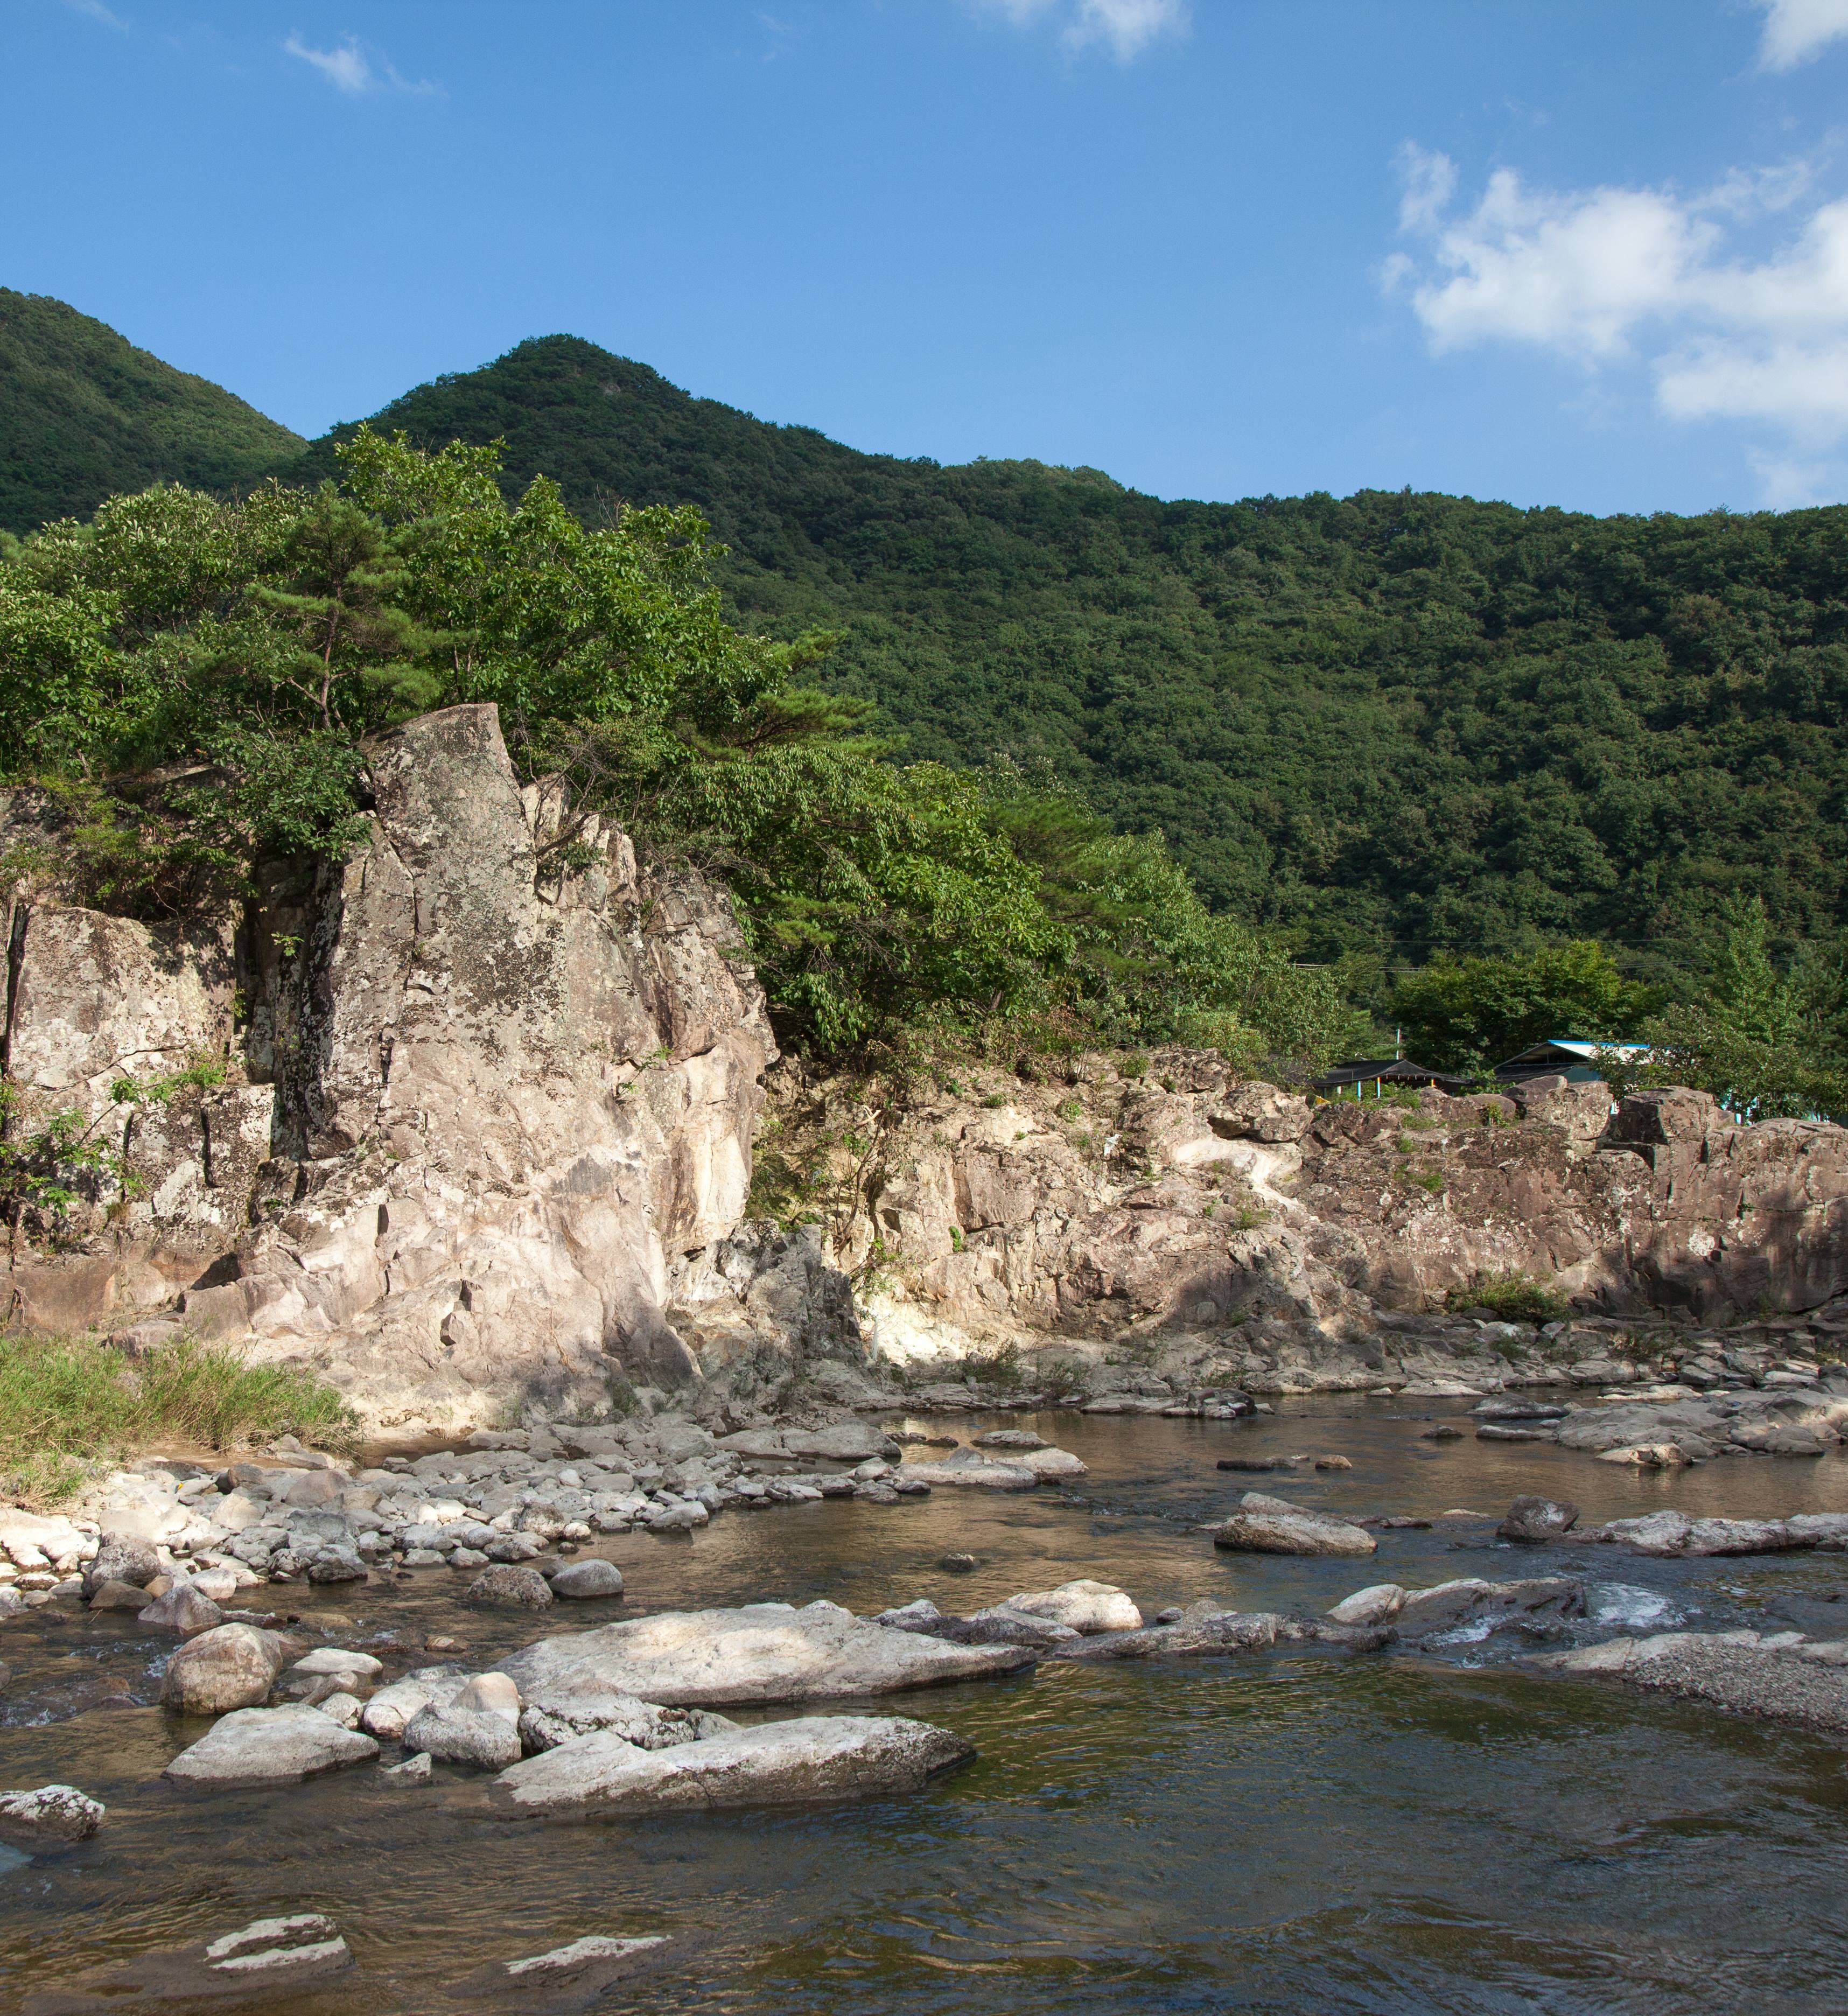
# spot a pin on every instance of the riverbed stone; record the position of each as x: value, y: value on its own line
x: 127, y: 1596
x: 759, y: 1652
x: 480, y: 1737
x: 388, y: 1712
x: 270, y: 1746
x: 413, y: 1771
x: 182, y: 1612
x: 642, y: 1723
x: 232, y: 1667
x: 510, y: 1587
x: 1532, y: 1520
x: 1084, y: 1607
x: 1291, y: 1533
x: 52, y: 1813
x: 125, y: 1557
x: 968, y: 1468
x: 1378, y: 1603
x: 271, y: 1958
x: 780, y: 1763
x: 581, y: 1580
x: 1469, y: 1603
x: 335, y: 1659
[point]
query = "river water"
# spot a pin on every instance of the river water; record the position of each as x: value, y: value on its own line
x: 1285, y: 1832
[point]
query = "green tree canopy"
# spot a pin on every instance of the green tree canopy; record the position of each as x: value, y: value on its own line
x: 1468, y: 1014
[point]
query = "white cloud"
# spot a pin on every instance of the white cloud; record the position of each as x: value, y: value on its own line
x: 94, y: 10
x: 1796, y: 31
x: 1728, y: 326
x: 351, y: 69
x: 1126, y: 28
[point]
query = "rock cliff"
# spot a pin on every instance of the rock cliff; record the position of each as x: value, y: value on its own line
x: 475, y: 1125
x: 1002, y: 1212
x: 480, y: 1113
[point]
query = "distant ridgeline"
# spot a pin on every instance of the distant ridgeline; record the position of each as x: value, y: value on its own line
x: 83, y: 415
x: 1392, y: 722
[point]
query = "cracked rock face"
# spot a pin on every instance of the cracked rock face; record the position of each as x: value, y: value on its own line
x: 480, y: 1113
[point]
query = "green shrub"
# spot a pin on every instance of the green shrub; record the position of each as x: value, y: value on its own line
x: 1513, y: 1296
x: 69, y: 1404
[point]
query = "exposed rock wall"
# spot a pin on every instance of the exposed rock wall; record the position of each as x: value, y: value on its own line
x: 481, y: 1114
x: 1099, y: 1207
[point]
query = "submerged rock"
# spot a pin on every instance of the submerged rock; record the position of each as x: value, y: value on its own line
x: 482, y: 1737
x: 761, y: 1652
x: 270, y: 1958
x: 779, y: 1763
x: 569, y: 1978
x: 270, y: 1746
x: 1782, y: 1676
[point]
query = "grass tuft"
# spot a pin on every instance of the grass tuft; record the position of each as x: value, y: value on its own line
x: 68, y: 1405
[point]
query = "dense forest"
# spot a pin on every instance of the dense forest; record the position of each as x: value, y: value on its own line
x: 84, y: 414
x: 1490, y: 771
x: 1390, y: 723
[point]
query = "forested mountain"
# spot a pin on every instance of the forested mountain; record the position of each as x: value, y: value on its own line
x: 1392, y: 721
x: 84, y: 414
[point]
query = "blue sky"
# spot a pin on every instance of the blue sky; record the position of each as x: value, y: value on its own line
x: 1585, y: 252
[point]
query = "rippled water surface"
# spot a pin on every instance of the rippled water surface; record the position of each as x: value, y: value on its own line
x: 1268, y: 1833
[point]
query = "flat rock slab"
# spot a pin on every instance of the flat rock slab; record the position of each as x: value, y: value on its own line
x: 270, y: 1746
x: 1473, y: 1605
x: 269, y: 1959
x: 1732, y: 1669
x: 1220, y: 1634
x: 567, y: 1978
x: 763, y: 1652
x: 1291, y: 1533
x: 779, y: 1763
x: 977, y: 1473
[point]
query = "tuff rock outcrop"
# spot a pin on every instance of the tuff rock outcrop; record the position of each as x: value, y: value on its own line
x: 1091, y: 1205
x: 482, y: 1113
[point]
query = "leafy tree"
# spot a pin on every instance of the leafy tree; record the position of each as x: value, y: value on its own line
x: 194, y: 682
x: 1769, y: 1043
x: 1467, y: 1014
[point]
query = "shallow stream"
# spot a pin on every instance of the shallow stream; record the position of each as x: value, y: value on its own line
x: 1266, y: 1833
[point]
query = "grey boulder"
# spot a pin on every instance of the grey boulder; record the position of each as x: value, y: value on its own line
x: 509, y: 1586
x: 270, y: 1746
x: 121, y: 1557
x: 780, y: 1763
x: 1291, y: 1533
x: 582, y: 1580
x: 233, y: 1666
x: 1780, y: 1677
x: 482, y: 1737
x: 761, y: 1652
x: 182, y: 1611
x: 1469, y: 1603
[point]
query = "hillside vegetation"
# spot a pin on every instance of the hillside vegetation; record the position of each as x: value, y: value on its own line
x: 1392, y: 723
x: 84, y: 414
